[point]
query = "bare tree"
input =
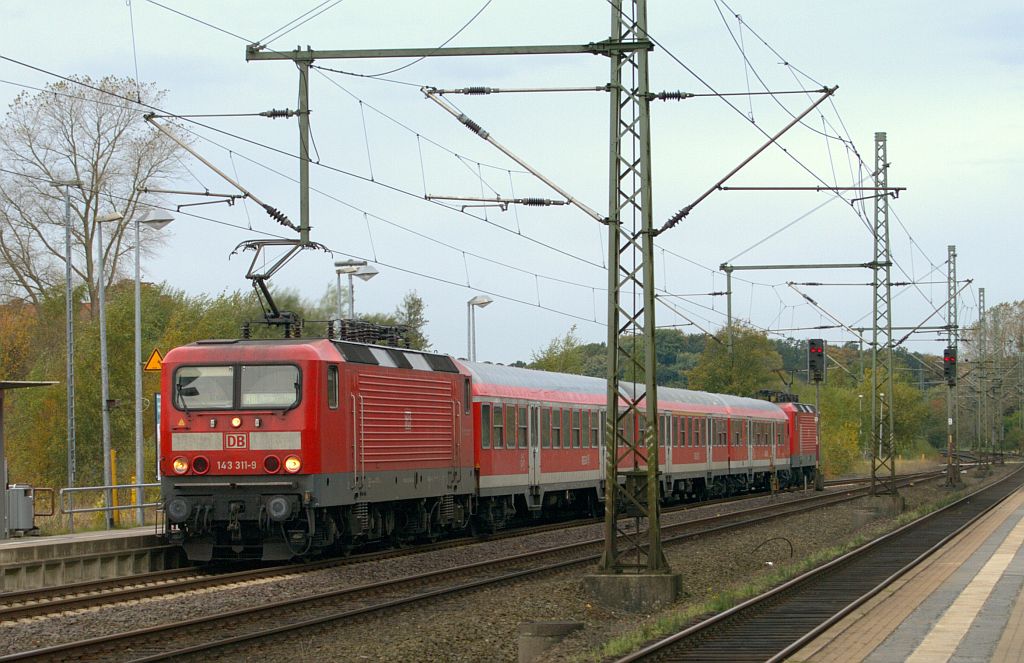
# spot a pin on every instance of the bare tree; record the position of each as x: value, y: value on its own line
x: 89, y: 132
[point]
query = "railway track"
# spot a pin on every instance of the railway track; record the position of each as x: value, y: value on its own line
x: 372, y: 600
x: 83, y: 595
x: 778, y: 623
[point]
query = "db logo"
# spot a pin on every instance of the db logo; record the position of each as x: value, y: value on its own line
x: 236, y: 441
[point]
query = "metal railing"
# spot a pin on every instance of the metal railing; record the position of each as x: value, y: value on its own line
x: 67, y: 501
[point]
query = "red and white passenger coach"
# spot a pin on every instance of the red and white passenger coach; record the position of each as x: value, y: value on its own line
x: 272, y: 449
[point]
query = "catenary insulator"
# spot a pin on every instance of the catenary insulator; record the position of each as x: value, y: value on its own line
x: 478, y: 90
x: 279, y: 216
x: 473, y: 126
x: 539, y: 202
x: 673, y: 96
x: 274, y: 113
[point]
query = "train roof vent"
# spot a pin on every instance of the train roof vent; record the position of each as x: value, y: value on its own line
x: 441, y: 363
x: 357, y: 354
x: 399, y: 358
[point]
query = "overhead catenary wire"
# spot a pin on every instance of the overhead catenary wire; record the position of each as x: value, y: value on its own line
x: 392, y: 120
x: 298, y: 22
x: 425, y: 190
x: 164, y: 114
x: 396, y: 267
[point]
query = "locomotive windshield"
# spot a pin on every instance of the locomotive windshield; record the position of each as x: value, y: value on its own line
x: 269, y: 386
x: 256, y: 386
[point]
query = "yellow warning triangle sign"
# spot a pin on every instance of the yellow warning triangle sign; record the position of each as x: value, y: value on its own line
x: 155, y: 361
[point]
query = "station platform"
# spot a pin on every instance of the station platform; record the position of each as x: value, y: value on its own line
x: 962, y: 604
x: 40, y: 561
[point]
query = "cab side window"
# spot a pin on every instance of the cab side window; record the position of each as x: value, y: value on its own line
x: 332, y: 387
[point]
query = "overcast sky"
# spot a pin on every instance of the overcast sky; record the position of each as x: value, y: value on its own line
x: 945, y: 81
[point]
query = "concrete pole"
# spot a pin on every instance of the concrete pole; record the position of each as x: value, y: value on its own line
x: 337, y: 274
x: 4, y: 531
x: 140, y: 468
x: 70, y: 355
x: 105, y: 382
x: 728, y: 306
x: 470, y: 329
x: 351, y: 298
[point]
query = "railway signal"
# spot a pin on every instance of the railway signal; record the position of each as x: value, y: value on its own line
x: 949, y: 366
x: 816, y: 359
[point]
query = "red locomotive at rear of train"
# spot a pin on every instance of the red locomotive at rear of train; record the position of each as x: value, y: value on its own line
x: 273, y: 449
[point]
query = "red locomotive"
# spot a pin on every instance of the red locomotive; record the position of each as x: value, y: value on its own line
x: 272, y: 449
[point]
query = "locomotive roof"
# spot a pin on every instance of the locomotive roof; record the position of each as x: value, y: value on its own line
x: 494, y: 379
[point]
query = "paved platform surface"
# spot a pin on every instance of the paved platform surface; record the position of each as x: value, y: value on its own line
x: 963, y: 604
x: 21, y: 541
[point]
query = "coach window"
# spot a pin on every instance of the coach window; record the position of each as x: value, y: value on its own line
x: 485, y: 426
x: 576, y: 433
x: 522, y: 427
x: 510, y: 426
x: 545, y: 428
x: 595, y: 429
x: 332, y: 387
x: 556, y: 429
x: 499, y: 427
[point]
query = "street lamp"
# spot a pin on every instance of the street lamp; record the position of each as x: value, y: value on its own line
x: 104, y: 376
x: 481, y: 301
x: 357, y: 268
x: 155, y: 219
x: 70, y: 343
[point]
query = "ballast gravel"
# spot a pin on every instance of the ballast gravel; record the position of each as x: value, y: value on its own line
x: 484, y: 625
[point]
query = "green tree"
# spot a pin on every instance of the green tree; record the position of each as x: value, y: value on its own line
x: 562, y: 355
x: 750, y: 367
x: 93, y: 135
x: 411, y: 312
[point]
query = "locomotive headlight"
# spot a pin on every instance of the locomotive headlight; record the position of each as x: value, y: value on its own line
x: 180, y: 465
x: 292, y: 464
x: 236, y: 422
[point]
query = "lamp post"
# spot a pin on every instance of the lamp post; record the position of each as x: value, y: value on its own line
x: 357, y: 268
x: 481, y: 301
x: 69, y: 336
x: 104, y: 376
x: 155, y: 219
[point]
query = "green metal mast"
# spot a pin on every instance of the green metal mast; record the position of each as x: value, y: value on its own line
x: 883, y: 457
x: 952, y: 460
x: 633, y: 459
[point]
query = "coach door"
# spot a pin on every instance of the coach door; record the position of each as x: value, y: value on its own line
x: 534, y: 456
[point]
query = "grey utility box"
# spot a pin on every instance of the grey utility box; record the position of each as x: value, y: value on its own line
x: 20, y: 509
